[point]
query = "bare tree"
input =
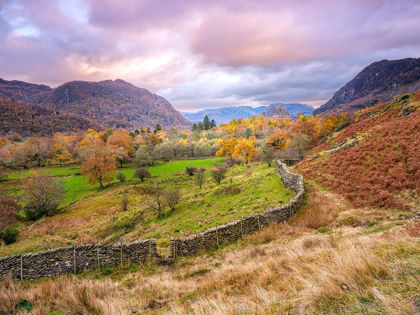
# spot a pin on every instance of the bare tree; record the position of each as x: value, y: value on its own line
x: 267, y: 156
x: 172, y: 198
x: 142, y: 173
x: 218, y: 174
x: 42, y: 194
x: 158, y: 203
x: 200, y: 178
x: 124, y: 203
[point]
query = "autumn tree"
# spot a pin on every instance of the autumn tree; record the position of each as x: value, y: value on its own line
x: 42, y: 195
x: 277, y: 141
x: 245, y: 149
x: 227, y: 147
x: 123, y: 145
x: 100, y: 167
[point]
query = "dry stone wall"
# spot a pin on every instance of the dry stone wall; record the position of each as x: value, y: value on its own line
x: 76, y: 259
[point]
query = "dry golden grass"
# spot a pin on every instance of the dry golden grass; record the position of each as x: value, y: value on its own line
x: 285, y: 269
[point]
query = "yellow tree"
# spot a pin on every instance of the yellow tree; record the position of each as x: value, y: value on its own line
x: 100, y: 167
x: 227, y: 147
x: 245, y: 148
x: 60, y: 152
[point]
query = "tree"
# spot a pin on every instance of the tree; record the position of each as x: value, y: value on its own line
x: 277, y: 141
x: 206, y: 122
x: 142, y: 173
x: 227, y: 147
x: 9, y: 208
x: 158, y: 203
x: 245, y: 149
x: 212, y: 124
x: 123, y: 143
x: 157, y: 128
x: 121, y: 177
x: 218, y: 174
x: 42, y: 195
x: 194, y: 127
x: 142, y: 156
x: 190, y: 170
x: 200, y: 178
x: 100, y: 167
x: 267, y: 156
x: 172, y: 198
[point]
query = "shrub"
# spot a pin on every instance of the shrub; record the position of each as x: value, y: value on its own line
x: 9, y: 235
x: 142, y: 173
x: 190, y: 170
x: 121, y: 177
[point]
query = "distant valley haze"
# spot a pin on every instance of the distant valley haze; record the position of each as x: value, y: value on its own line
x: 204, y: 55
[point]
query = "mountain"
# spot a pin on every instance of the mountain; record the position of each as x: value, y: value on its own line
x: 108, y: 104
x: 19, y: 90
x: 379, y: 82
x: 226, y: 114
x: 278, y: 111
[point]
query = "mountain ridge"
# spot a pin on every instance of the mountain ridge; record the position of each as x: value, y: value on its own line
x: 379, y: 82
x: 226, y: 114
x: 109, y: 103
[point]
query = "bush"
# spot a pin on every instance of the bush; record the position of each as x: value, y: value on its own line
x: 9, y: 235
x: 190, y: 170
x: 121, y: 177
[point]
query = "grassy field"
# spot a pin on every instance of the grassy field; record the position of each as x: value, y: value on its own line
x: 89, y: 214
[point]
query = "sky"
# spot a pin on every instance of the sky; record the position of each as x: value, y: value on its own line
x: 207, y: 54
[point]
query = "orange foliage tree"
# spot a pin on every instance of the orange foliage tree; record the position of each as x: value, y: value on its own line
x: 99, y: 167
x: 277, y: 141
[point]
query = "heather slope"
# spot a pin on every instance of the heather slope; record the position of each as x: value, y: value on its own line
x: 375, y: 160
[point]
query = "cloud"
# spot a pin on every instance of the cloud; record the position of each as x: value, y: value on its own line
x: 199, y: 53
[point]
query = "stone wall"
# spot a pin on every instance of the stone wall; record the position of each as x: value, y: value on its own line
x: 234, y: 230
x: 76, y: 259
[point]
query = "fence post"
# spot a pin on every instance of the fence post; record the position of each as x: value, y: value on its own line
x: 74, y: 257
x: 21, y: 267
x: 242, y: 231
x: 121, y: 253
x: 217, y: 236
x: 97, y: 253
x: 258, y: 218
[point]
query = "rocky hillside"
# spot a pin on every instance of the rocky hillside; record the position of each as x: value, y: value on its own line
x: 110, y: 104
x: 224, y: 115
x: 278, y: 111
x: 379, y: 82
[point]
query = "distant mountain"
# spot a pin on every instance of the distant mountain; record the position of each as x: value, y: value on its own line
x: 278, y: 111
x: 226, y: 114
x: 110, y: 104
x: 379, y: 82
